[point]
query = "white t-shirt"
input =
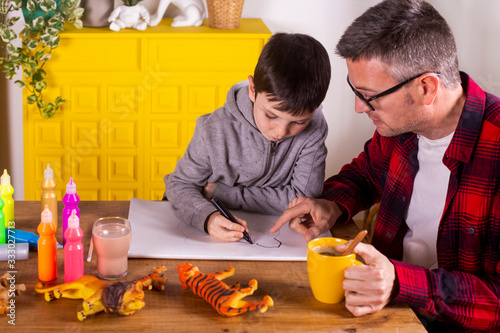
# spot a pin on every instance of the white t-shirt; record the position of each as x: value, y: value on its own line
x: 427, y: 203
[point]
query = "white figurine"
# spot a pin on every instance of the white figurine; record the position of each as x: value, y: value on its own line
x: 129, y: 15
x: 193, y: 13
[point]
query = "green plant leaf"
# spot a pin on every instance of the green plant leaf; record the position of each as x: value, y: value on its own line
x: 17, y: 3
x: 55, y: 21
x: 30, y: 65
x: 49, y: 110
x: 38, y: 23
x: 11, y: 21
x: 47, y: 5
x: 9, y: 66
x: 36, y: 78
x: 52, y: 31
x: 78, y: 12
x: 45, y: 38
x: 32, y: 99
x: 39, y: 86
x: 31, y: 44
x: 45, y: 57
x: 8, y: 35
x: 20, y: 83
x: 60, y: 100
x: 54, y: 42
x: 10, y: 75
x: 31, y: 5
x: 26, y: 73
x: 78, y: 24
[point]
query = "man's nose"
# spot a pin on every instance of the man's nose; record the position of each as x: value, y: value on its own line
x: 360, y: 106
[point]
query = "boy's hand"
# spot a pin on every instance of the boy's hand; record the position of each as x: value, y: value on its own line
x: 221, y: 228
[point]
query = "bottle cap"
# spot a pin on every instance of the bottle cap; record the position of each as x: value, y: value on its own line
x: 5, y: 179
x: 73, y: 220
x: 48, y: 173
x: 71, y: 187
x: 46, y: 215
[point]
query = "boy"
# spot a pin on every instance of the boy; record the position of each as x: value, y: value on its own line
x: 264, y: 147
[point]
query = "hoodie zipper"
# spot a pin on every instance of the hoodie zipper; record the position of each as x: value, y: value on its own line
x: 268, y: 163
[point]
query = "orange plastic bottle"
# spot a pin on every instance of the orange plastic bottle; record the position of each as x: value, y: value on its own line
x: 49, y: 196
x: 47, y: 248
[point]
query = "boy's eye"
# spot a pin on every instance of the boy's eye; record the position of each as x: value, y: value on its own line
x: 300, y: 123
x: 270, y: 116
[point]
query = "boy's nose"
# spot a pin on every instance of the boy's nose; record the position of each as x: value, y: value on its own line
x: 280, y: 132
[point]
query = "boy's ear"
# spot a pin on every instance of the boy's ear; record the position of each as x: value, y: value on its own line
x: 251, y: 88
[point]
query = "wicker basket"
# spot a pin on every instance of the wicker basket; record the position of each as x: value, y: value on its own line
x: 224, y: 14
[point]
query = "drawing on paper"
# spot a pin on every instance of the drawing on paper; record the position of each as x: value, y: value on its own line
x: 259, y: 232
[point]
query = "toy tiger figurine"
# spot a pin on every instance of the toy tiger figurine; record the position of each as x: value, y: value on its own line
x: 153, y: 280
x: 226, y: 300
x: 123, y: 298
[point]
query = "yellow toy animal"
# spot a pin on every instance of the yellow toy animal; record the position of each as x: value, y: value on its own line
x: 226, y: 300
x: 123, y: 298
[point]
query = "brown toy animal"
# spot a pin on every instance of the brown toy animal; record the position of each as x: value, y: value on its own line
x: 226, y: 300
x: 123, y: 298
x: 6, y: 292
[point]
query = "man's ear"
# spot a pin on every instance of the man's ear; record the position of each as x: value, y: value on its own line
x: 251, y: 88
x: 430, y: 86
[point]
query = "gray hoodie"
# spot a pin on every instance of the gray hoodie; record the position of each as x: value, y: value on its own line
x: 251, y: 172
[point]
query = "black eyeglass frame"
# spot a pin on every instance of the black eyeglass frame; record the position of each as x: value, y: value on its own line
x: 385, y: 92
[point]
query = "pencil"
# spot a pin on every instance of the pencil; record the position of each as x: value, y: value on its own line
x: 227, y: 214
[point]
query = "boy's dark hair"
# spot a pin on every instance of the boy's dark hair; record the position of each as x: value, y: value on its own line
x: 409, y: 36
x: 293, y: 69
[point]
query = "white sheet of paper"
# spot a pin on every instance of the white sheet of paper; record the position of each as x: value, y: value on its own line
x: 157, y: 233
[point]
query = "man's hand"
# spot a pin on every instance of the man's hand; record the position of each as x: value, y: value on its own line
x: 309, y: 216
x: 368, y: 288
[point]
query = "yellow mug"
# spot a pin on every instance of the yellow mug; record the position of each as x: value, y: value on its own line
x: 326, y: 270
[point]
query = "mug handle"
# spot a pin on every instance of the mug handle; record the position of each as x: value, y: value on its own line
x: 357, y: 262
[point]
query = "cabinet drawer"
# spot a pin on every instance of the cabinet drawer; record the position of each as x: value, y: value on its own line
x: 205, y: 55
x: 96, y: 55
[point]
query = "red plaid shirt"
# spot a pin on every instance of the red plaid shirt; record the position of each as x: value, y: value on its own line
x: 465, y: 289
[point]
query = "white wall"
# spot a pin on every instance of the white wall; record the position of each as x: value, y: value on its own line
x: 475, y: 24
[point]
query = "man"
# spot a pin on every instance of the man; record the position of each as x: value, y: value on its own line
x: 434, y: 166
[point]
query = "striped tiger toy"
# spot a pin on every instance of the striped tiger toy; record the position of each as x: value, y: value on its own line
x: 226, y: 300
x: 153, y: 280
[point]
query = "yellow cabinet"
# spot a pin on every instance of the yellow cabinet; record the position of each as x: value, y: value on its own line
x: 132, y: 102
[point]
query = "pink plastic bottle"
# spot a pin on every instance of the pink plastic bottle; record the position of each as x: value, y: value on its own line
x: 47, y: 247
x: 73, y: 250
x: 70, y: 201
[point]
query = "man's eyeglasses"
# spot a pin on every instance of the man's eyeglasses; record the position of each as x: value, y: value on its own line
x: 386, y: 92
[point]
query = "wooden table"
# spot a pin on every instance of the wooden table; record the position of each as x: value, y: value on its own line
x: 177, y: 310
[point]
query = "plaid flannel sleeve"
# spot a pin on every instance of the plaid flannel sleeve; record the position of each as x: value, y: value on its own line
x: 455, y: 297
